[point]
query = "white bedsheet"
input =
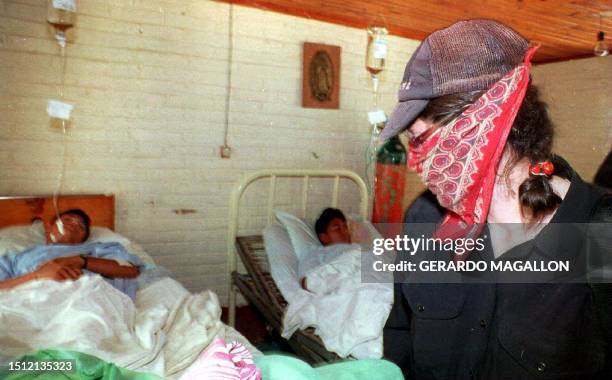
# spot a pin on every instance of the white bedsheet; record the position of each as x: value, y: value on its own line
x: 162, y: 333
x: 347, y: 314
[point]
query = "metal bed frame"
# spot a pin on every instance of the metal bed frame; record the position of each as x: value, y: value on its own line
x: 257, y: 286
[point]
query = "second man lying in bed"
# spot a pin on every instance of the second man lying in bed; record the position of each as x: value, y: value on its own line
x: 66, y: 257
x: 322, y: 262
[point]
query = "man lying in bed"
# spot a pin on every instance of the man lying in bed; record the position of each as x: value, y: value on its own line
x: 66, y: 257
x: 333, y: 233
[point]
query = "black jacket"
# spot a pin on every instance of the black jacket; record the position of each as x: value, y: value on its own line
x: 495, y: 331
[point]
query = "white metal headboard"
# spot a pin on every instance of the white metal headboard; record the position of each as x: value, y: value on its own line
x: 304, y: 175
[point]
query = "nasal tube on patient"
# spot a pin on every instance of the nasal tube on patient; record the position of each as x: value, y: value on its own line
x: 60, y: 229
x: 60, y: 226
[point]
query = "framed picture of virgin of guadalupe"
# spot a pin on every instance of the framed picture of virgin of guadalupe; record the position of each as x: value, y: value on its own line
x: 321, y: 76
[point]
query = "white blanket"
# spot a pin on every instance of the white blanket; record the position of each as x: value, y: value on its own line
x: 163, y: 333
x: 347, y: 314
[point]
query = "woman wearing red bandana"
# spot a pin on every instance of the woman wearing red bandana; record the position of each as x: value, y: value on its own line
x: 481, y: 140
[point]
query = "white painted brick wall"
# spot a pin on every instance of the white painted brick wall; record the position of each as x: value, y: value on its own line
x: 148, y: 79
x: 580, y: 104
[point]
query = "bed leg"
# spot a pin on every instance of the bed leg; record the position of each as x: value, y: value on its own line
x: 232, y: 306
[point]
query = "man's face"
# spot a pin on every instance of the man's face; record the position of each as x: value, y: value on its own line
x: 337, y: 233
x: 74, y: 230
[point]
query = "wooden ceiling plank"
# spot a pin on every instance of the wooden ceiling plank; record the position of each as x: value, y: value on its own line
x: 566, y: 29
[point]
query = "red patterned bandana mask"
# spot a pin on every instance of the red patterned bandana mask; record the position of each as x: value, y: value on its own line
x: 459, y: 161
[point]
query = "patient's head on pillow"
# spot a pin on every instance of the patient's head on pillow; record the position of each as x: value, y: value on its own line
x: 71, y: 227
x: 331, y: 227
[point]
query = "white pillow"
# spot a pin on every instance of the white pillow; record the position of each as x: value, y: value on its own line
x: 302, y: 236
x: 19, y: 238
x: 362, y: 232
x: 106, y: 235
x: 282, y: 259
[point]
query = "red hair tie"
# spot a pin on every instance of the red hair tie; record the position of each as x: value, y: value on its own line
x: 542, y: 168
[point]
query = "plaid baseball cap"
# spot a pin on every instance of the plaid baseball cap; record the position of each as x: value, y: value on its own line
x: 467, y: 56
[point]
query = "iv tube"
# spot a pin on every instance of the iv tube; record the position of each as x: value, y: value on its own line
x: 60, y: 177
x: 61, y: 15
x: 376, y: 54
x: 371, y: 152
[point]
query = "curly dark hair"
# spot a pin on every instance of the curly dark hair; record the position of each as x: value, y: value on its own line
x: 531, y: 137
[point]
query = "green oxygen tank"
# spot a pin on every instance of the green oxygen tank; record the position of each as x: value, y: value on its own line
x: 389, y: 186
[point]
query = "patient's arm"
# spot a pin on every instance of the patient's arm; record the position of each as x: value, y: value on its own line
x: 54, y: 270
x: 111, y: 268
x: 9, y: 284
x: 106, y: 267
x: 70, y: 268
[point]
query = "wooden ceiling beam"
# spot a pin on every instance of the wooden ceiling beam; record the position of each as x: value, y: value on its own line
x: 566, y: 29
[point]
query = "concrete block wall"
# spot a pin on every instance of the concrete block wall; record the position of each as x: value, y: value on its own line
x: 148, y: 79
x: 580, y: 104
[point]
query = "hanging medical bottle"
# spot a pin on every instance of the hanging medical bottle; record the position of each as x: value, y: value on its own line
x: 389, y: 187
x: 376, y: 54
x: 61, y: 14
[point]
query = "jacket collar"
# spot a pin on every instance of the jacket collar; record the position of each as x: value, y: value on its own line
x: 565, y: 234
